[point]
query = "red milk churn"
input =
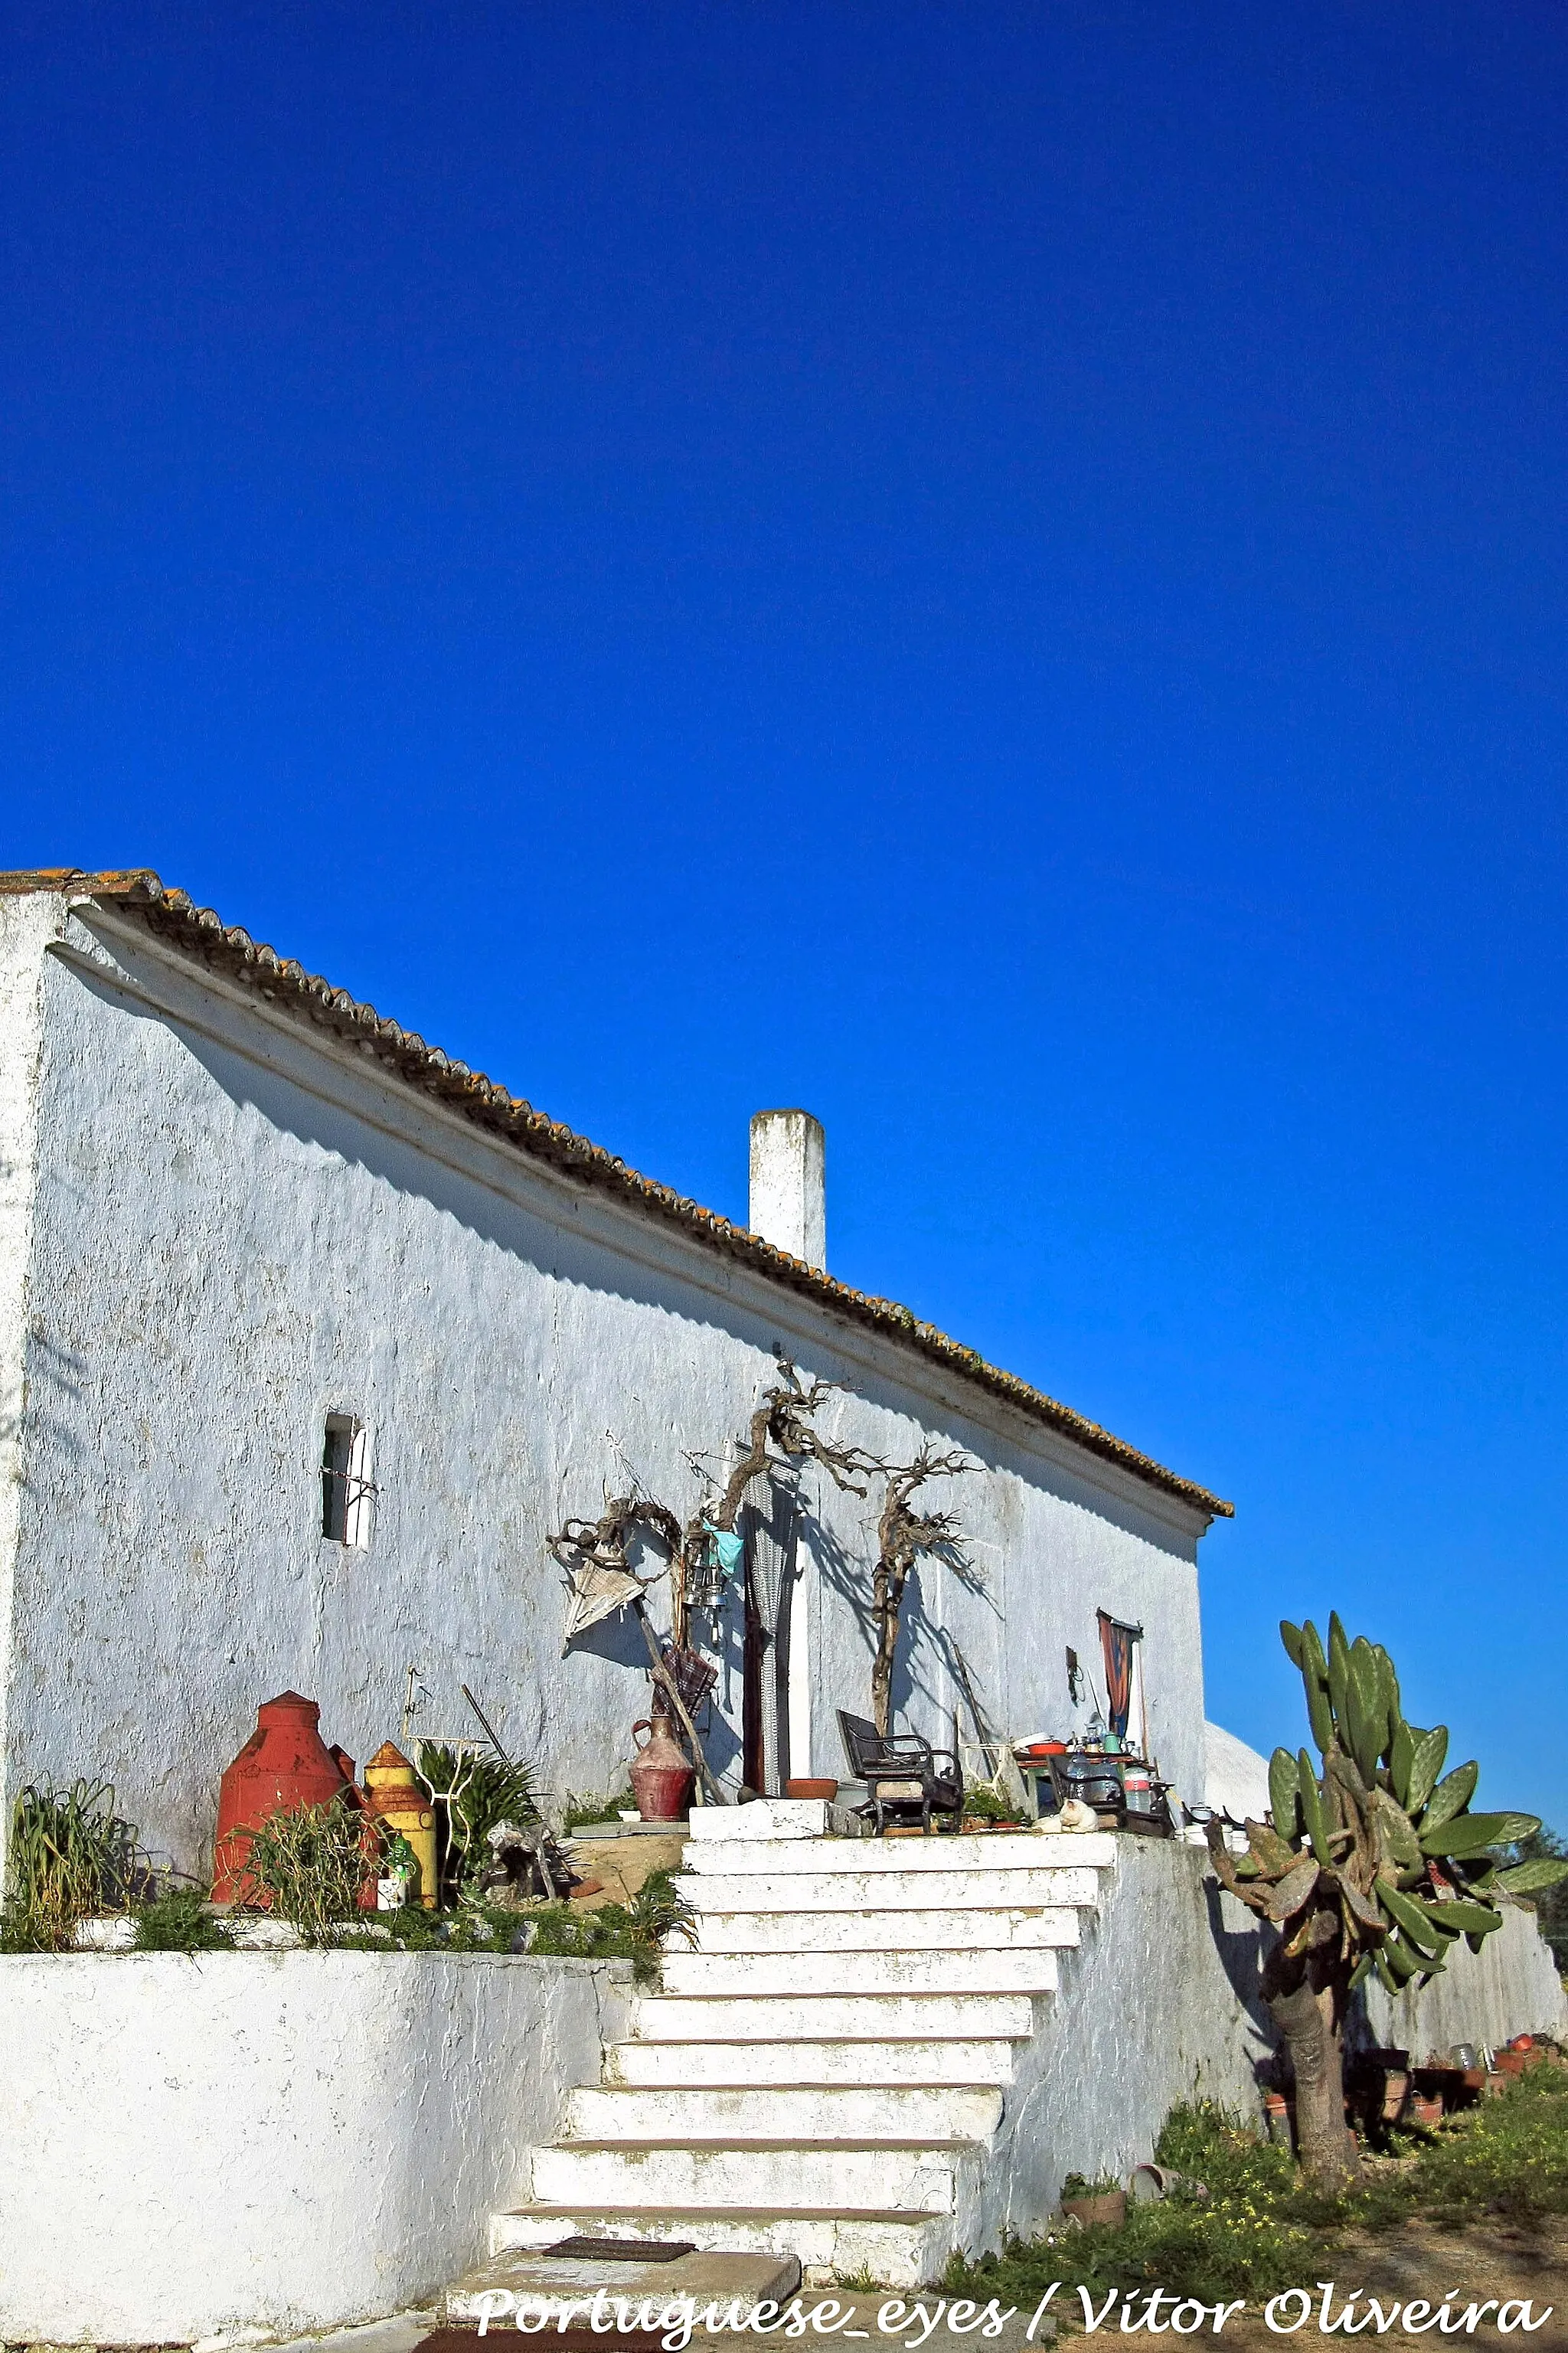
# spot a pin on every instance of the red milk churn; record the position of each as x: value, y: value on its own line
x: 660, y: 1776
x: 284, y: 1764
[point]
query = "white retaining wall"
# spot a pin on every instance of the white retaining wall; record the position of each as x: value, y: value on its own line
x: 1155, y: 2004
x: 298, y: 2140
x: 280, y: 2140
x: 1160, y: 2003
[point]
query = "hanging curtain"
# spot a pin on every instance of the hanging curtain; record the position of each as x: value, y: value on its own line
x: 1116, y: 1643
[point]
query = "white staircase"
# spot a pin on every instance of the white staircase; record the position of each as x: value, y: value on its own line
x: 825, y: 2074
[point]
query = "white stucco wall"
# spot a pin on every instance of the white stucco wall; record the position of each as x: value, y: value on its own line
x: 1156, y: 2005
x: 25, y: 926
x: 1236, y: 1777
x: 277, y: 2141
x: 240, y: 1226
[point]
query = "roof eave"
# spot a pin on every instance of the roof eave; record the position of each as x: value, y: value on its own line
x: 198, y: 931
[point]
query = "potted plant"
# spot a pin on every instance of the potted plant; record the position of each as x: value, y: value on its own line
x: 1101, y: 2202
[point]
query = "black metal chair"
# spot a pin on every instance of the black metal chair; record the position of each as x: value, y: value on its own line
x: 903, y: 1774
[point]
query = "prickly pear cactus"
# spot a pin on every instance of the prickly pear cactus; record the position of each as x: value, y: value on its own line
x: 1376, y: 1862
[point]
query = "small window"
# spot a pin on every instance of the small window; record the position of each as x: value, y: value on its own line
x: 346, y: 1487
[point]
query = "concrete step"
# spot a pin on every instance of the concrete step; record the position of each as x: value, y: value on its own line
x: 804, y: 2112
x: 955, y: 1930
x: 754, y: 2065
x: 870, y: 1891
x: 930, y: 2177
x: 1022, y: 1970
x: 844, y: 2017
x: 523, y: 2288
x: 1018, y: 1850
x: 903, y: 2249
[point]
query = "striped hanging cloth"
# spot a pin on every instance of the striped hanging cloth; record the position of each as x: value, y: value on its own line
x: 1116, y: 1643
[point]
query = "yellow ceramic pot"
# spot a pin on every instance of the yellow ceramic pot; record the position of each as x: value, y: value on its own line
x: 397, y: 1799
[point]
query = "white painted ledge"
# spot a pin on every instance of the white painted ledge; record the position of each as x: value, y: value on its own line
x: 764, y: 1818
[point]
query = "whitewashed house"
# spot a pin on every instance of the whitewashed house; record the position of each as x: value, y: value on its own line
x: 309, y: 1341
x: 249, y: 1230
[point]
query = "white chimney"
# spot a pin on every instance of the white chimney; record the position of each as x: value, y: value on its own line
x: 789, y: 1196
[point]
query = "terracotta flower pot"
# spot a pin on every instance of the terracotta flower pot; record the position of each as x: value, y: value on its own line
x: 1107, y: 2206
x: 809, y: 1788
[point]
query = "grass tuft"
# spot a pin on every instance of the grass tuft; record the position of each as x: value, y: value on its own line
x: 179, y: 1922
x: 633, y: 1931
x: 308, y: 1864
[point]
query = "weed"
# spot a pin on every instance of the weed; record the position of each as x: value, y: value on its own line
x: 475, y: 1928
x: 633, y: 1931
x: 70, y: 1855
x: 309, y: 1865
x: 178, y: 1921
x: 1509, y: 2158
x: 580, y: 1810
x: 658, y: 1911
x: 981, y: 1804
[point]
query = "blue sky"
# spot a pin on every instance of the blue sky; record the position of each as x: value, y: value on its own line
x: 995, y: 572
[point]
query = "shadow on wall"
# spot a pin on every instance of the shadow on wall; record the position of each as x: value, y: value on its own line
x: 422, y: 1168
x: 618, y: 1641
x: 1242, y: 1952
x: 926, y: 1648
x: 53, y: 1373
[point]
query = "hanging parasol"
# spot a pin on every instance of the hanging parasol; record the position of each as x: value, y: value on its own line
x: 597, y: 1591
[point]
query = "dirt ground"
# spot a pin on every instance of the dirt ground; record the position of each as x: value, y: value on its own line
x: 622, y: 1863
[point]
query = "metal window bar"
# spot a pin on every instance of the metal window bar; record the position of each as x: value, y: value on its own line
x: 346, y: 1489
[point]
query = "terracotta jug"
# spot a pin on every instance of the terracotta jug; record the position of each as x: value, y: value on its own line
x: 284, y: 1765
x: 660, y: 1776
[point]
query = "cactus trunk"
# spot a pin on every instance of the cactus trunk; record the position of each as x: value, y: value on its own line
x: 1311, y: 2020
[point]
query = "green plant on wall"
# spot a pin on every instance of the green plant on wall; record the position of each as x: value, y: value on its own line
x: 310, y: 1863
x: 1374, y: 1861
x: 472, y: 1791
x: 69, y: 1855
x: 179, y: 1921
x: 580, y: 1810
x: 638, y: 1930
